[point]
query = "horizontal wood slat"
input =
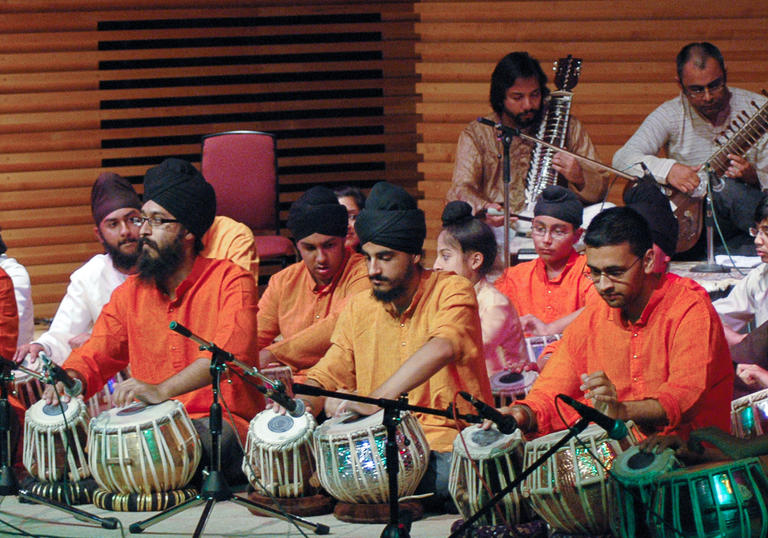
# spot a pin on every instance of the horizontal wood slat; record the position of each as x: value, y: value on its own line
x: 93, y: 86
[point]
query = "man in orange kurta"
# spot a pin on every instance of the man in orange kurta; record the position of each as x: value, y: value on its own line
x: 551, y: 290
x: 652, y: 351
x: 302, y: 302
x: 417, y: 332
x: 215, y: 299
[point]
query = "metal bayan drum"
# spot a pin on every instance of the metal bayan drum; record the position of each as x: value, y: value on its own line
x: 144, y: 449
x: 54, y: 443
x: 351, y: 458
x: 723, y: 499
x: 278, y: 452
x: 634, y: 473
x: 507, y: 387
x: 497, y: 457
x: 570, y: 491
x: 749, y: 415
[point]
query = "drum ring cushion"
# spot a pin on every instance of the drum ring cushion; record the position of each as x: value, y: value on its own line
x: 141, y: 502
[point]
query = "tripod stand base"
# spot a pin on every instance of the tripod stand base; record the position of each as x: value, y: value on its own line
x: 374, y: 513
x: 307, y: 506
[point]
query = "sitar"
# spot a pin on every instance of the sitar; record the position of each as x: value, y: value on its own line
x: 553, y: 129
x: 745, y: 132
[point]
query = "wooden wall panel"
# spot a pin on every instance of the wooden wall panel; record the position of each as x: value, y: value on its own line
x: 88, y: 86
x: 628, y: 50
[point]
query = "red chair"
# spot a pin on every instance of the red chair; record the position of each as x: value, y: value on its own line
x: 242, y: 167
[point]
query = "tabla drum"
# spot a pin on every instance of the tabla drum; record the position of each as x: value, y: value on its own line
x: 102, y: 400
x: 55, y: 443
x: 507, y: 387
x: 351, y: 458
x: 26, y: 388
x: 570, y: 491
x: 143, y: 449
x: 723, y: 499
x: 749, y: 415
x: 634, y: 473
x: 490, y: 459
x: 278, y: 454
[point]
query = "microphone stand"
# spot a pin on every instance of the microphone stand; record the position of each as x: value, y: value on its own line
x: 392, y: 409
x: 9, y: 484
x: 215, y: 488
x: 709, y: 222
x: 574, y: 430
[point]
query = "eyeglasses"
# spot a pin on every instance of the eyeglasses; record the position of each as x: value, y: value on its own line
x: 613, y: 274
x: 556, y: 233
x: 154, y: 222
x: 713, y: 87
x: 762, y: 230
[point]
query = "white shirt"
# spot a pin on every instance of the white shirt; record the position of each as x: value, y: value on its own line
x: 22, y: 288
x: 89, y: 289
x: 748, y: 300
x: 503, y: 341
x: 688, y: 138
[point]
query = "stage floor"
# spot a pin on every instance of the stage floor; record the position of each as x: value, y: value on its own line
x: 226, y: 519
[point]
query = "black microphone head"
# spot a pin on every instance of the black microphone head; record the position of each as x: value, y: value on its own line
x: 298, y: 408
x: 467, y: 396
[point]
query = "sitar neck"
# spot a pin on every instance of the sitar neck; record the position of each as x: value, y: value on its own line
x: 750, y: 130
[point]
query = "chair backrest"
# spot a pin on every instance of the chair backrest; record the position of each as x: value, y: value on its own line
x: 242, y: 167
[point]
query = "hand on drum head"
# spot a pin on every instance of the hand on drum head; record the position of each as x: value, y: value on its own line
x: 49, y: 394
x: 658, y: 443
x: 336, y: 406
x: 133, y: 389
x: 77, y: 341
x: 32, y: 349
x: 599, y: 389
x: 280, y: 410
x: 518, y: 413
x: 358, y: 408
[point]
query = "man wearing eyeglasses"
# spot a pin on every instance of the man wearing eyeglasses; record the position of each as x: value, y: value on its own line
x: 214, y: 299
x: 652, y: 351
x: 689, y: 126
x: 550, y: 291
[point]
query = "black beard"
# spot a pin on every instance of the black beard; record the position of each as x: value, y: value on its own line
x: 158, y: 269
x: 390, y: 295
x: 120, y: 260
x: 525, y: 124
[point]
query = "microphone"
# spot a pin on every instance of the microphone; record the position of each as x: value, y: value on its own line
x: 616, y: 428
x: 486, y: 121
x: 72, y: 386
x: 295, y: 407
x: 506, y: 423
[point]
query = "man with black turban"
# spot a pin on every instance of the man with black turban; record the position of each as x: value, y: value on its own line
x: 417, y: 332
x: 114, y: 205
x: 303, y: 301
x: 550, y: 291
x: 214, y: 299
